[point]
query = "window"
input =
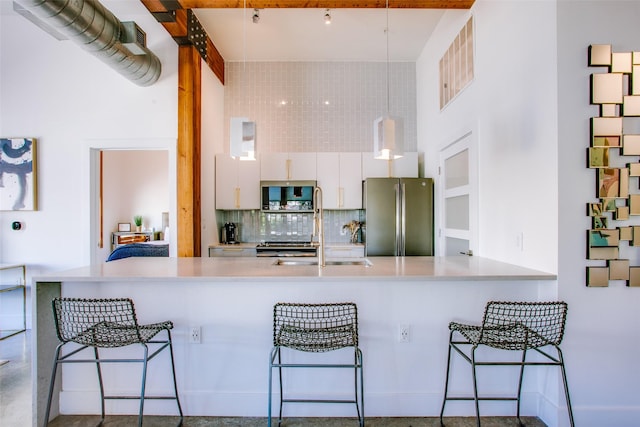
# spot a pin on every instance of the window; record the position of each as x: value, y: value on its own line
x: 456, y: 65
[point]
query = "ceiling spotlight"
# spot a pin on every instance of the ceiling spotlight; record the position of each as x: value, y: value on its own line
x: 327, y: 17
x: 256, y: 16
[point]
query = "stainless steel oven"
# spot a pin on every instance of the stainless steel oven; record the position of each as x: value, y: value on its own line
x: 286, y: 249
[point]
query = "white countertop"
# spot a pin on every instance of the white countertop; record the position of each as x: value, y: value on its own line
x: 145, y: 269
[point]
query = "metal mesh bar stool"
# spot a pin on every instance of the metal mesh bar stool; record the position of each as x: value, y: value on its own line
x: 316, y: 328
x: 515, y: 326
x: 108, y: 323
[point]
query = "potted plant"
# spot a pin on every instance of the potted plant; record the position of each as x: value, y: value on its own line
x: 137, y: 220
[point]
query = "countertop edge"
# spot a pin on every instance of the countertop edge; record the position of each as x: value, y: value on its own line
x: 199, y: 270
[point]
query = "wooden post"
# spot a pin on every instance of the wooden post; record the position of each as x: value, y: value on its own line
x: 188, y: 152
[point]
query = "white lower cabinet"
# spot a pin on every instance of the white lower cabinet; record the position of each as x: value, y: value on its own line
x: 231, y: 251
x: 344, y: 251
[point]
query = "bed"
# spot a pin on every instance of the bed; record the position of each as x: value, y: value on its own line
x: 152, y: 249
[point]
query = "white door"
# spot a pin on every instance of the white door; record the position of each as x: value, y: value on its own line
x: 457, y: 198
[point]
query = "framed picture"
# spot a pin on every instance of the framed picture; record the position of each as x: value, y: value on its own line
x: 124, y: 226
x: 18, y: 174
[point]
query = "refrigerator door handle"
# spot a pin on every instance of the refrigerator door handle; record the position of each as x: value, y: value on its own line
x: 398, y: 220
x: 403, y: 208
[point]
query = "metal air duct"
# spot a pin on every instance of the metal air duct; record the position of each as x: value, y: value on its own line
x: 92, y: 26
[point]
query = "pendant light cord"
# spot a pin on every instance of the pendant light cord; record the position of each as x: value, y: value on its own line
x: 244, y: 37
x: 387, y: 35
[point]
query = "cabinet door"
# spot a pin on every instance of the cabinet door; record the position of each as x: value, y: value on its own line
x: 226, y: 182
x: 249, y: 184
x: 350, y: 189
x: 405, y: 167
x: 344, y: 252
x: 237, y: 183
x: 328, y: 179
x: 273, y: 166
x: 288, y: 167
x: 302, y: 167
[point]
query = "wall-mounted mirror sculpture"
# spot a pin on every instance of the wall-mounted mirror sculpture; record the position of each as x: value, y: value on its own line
x: 614, y: 237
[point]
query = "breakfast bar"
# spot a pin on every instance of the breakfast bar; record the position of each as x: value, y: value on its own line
x: 231, y: 301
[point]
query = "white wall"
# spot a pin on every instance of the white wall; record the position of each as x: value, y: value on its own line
x: 530, y: 103
x: 511, y: 108
x: 603, y: 323
x: 212, y: 142
x: 71, y: 101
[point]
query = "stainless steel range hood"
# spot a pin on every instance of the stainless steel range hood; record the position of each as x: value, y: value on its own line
x: 92, y: 26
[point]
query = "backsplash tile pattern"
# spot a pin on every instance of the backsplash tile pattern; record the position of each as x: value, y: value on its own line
x: 319, y: 106
x: 256, y: 226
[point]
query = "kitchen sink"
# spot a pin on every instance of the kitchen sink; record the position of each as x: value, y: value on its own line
x: 330, y: 262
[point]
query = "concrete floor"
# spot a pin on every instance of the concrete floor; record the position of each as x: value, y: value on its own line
x: 15, y: 405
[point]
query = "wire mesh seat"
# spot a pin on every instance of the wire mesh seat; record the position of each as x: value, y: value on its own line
x: 108, y: 323
x: 316, y: 328
x: 515, y: 326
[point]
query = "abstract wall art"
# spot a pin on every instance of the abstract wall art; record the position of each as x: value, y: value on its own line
x: 613, y: 242
x: 18, y: 185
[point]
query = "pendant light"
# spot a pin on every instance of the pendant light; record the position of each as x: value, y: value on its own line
x: 388, y: 143
x: 242, y: 131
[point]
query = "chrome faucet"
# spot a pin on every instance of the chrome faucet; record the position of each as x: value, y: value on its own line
x: 318, y: 223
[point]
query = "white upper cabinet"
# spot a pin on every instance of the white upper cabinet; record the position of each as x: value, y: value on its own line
x: 288, y: 166
x: 406, y: 166
x: 237, y: 183
x: 340, y: 177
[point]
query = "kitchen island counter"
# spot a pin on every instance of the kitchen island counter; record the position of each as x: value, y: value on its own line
x: 231, y: 301
x: 221, y: 269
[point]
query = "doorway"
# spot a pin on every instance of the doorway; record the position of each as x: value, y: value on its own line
x: 102, y: 215
x: 457, y: 199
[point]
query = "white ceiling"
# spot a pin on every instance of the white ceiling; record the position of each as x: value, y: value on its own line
x: 301, y: 34
x: 288, y: 34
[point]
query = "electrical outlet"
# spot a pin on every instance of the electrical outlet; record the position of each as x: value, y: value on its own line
x: 404, y: 333
x: 194, y: 335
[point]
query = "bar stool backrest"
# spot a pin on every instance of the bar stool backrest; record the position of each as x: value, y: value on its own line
x: 96, y: 322
x: 315, y: 327
x: 520, y: 325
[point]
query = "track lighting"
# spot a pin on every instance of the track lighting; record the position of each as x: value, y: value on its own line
x: 256, y: 16
x: 327, y: 17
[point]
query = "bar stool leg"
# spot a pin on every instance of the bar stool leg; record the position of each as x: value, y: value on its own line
x: 144, y: 381
x: 566, y: 386
x: 100, y: 383
x: 446, y: 382
x: 359, y: 356
x: 524, y: 357
x: 52, y: 384
x: 475, y: 384
x: 271, y: 357
x: 175, y: 383
x: 280, y: 381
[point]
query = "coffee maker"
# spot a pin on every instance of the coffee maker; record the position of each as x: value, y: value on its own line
x: 230, y: 233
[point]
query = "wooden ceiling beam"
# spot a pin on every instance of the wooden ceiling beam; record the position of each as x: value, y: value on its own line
x: 326, y: 4
x: 183, y: 26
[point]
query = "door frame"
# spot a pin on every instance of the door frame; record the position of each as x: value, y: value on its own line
x: 465, y: 140
x: 91, y: 175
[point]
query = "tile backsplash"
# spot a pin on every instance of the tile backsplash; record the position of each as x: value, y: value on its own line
x: 257, y: 226
x: 319, y: 106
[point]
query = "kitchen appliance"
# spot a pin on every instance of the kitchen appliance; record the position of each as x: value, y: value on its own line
x: 287, y: 197
x: 286, y: 249
x: 230, y: 233
x: 399, y: 216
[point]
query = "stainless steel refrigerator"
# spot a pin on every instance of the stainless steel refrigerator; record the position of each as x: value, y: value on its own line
x: 399, y: 216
